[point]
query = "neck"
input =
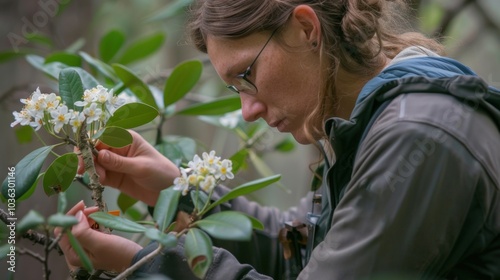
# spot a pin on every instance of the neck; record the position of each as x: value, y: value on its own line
x: 348, y: 87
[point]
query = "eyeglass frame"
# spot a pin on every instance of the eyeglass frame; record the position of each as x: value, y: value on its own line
x: 243, y: 76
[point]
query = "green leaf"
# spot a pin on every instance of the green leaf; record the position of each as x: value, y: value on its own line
x: 183, y: 78
x: 227, y: 225
x: 102, y: 67
x: 76, y: 45
x: 170, y: 10
x: 8, y: 55
x: 219, y: 106
x: 256, y: 224
x: 125, y: 202
x: 245, y: 189
x: 239, y: 159
x: 26, y: 172
x: 88, y: 80
x: 41, y: 39
x: 170, y: 151
x: 287, y: 145
x: 178, y: 149
x: 199, y: 199
x: 263, y: 168
x: 5, y: 249
x: 60, y: 174
x: 24, y: 134
x: 116, y: 137
x: 32, y: 220
x: 110, y: 44
x: 168, y: 240
x: 31, y: 190
x: 70, y: 88
x: 62, y: 203
x: 132, y: 115
x: 61, y: 220
x: 166, y: 207
x: 136, y: 85
x: 87, y: 264
x: 51, y: 69
x: 116, y: 223
x: 198, y: 249
x: 142, y: 48
x: 69, y: 59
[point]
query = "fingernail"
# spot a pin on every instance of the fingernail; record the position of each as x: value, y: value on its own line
x: 105, y: 155
x: 79, y: 215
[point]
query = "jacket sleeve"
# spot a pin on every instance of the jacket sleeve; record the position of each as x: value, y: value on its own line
x: 271, y: 217
x: 411, y: 191
x: 171, y: 264
x: 259, y: 258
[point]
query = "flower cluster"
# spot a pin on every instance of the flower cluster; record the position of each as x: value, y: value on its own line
x: 204, y: 173
x: 42, y: 109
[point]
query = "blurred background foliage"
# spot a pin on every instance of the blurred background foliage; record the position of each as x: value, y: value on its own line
x: 470, y: 29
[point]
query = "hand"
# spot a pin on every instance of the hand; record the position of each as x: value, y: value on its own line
x: 137, y: 170
x: 106, y: 251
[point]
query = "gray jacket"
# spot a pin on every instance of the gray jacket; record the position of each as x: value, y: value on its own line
x: 415, y: 191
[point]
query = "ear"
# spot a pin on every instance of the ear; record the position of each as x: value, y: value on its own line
x: 306, y: 22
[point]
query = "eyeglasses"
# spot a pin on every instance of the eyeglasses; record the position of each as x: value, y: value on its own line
x: 242, y: 83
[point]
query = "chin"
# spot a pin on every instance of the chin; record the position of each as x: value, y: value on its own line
x: 301, y: 138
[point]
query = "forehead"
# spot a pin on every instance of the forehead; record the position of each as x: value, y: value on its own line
x: 227, y: 55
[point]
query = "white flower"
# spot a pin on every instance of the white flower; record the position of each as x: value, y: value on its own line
x: 51, y: 101
x: 22, y: 118
x: 92, y: 95
x: 224, y: 170
x: 37, y: 124
x: 115, y: 102
x: 231, y: 119
x: 196, y: 163
x: 92, y: 113
x: 210, y: 159
x: 181, y: 183
x: 60, y: 116
x: 76, y: 121
x: 36, y: 104
x: 208, y: 183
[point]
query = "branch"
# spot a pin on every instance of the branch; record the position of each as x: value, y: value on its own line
x: 88, y: 160
x: 487, y: 18
x: 31, y: 253
x: 449, y: 16
x: 139, y: 263
x: 34, y: 236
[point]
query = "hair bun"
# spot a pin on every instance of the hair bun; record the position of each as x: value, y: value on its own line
x: 361, y: 20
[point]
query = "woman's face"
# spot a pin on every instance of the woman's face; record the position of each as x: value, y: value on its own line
x: 287, y: 79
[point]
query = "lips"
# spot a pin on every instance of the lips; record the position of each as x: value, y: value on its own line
x: 279, y: 124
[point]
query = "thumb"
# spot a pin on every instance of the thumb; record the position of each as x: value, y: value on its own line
x: 114, y: 162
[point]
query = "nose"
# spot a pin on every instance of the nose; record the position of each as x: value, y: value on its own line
x: 251, y: 108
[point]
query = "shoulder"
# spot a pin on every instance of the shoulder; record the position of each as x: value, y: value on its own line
x: 444, y: 121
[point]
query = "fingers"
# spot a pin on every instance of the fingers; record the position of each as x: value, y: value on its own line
x: 114, y: 162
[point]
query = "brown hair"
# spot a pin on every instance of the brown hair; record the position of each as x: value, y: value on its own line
x: 353, y: 35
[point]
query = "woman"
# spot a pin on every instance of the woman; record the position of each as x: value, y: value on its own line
x: 415, y: 185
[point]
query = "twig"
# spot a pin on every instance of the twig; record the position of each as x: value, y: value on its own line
x: 34, y: 236
x: 85, y: 148
x: 46, y: 262
x: 31, y: 253
x: 487, y: 18
x: 449, y: 16
x: 139, y: 263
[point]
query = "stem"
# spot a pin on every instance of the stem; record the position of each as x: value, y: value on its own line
x: 86, y: 149
x: 32, y: 235
x: 47, y: 251
x: 159, y: 133
x: 139, y: 263
x: 31, y: 253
